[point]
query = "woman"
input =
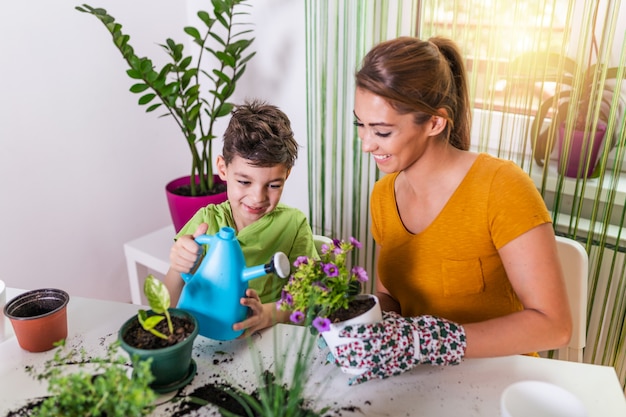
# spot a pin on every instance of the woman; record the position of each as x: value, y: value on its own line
x: 467, y: 261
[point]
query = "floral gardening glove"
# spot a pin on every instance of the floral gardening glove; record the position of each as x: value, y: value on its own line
x: 397, y: 344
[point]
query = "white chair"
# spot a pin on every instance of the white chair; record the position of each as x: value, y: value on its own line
x: 319, y: 240
x: 575, y: 264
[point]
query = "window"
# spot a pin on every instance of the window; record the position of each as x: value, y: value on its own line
x: 494, y: 34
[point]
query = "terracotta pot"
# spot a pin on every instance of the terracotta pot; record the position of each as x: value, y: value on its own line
x: 580, y: 149
x: 333, y: 340
x: 39, y: 318
x: 172, y: 366
x: 182, y: 208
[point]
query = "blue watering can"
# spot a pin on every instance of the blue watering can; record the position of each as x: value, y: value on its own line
x: 213, y: 292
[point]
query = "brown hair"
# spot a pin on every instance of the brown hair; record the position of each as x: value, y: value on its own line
x: 421, y: 77
x: 260, y: 133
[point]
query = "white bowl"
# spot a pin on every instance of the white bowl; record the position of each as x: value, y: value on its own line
x: 539, y: 399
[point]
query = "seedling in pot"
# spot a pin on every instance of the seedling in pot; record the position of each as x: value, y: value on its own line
x: 159, y: 300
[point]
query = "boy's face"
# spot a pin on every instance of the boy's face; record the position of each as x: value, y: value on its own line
x: 252, y: 191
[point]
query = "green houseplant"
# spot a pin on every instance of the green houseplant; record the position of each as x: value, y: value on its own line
x: 282, y: 390
x: 582, y: 97
x: 164, y: 337
x: 99, y: 386
x: 193, y: 92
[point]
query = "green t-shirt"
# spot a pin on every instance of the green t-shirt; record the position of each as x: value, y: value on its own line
x: 285, y: 229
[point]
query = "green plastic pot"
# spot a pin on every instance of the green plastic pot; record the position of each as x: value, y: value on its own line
x: 172, y: 366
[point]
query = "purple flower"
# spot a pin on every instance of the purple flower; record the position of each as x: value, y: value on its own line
x: 321, y: 286
x: 286, y: 298
x: 297, y: 317
x: 301, y: 260
x: 324, y: 248
x: 331, y: 269
x: 355, y: 243
x: 322, y: 324
x: 360, y: 273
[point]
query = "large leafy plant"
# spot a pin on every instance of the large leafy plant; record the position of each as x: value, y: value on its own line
x: 320, y: 287
x: 192, y: 95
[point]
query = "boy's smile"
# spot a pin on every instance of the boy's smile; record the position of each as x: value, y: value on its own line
x: 253, y: 191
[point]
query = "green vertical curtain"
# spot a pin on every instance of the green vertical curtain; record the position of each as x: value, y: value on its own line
x: 505, y: 44
x: 339, y: 33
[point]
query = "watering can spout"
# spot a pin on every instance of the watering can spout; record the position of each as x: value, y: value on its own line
x: 279, y: 265
x: 213, y: 292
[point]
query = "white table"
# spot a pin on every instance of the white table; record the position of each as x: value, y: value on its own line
x: 470, y: 389
x: 145, y: 254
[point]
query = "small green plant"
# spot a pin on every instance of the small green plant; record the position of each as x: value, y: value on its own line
x: 279, y: 394
x: 159, y: 300
x: 320, y: 287
x: 102, y: 386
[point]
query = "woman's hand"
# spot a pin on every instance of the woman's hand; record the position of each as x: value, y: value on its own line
x: 397, y: 344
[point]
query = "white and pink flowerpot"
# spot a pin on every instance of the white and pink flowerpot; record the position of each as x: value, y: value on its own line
x: 332, y: 339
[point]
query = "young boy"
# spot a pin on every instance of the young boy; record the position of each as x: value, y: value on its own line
x: 258, y: 154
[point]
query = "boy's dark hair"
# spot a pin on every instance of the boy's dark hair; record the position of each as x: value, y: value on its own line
x: 260, y: 133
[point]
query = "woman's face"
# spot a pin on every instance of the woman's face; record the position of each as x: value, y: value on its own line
x: 393, y: 139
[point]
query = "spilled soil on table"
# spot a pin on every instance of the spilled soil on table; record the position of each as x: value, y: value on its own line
x: 214, y: 394
x: 236, y: 401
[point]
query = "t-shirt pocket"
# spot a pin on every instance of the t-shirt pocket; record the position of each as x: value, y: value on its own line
x: 462, y: 277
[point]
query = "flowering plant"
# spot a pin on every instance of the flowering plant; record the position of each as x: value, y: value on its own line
x: 320, y: 287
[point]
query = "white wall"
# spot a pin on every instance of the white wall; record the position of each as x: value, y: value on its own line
x: 82, y: 166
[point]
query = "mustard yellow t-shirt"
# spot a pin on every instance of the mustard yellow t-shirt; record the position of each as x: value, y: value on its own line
x: 452, y: 268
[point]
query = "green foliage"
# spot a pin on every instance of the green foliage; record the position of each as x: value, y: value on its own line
x: 280, y: 395
x: 159, y: 300
x: 100, y: 386
x: 178, y: 85
x: 320, y: 287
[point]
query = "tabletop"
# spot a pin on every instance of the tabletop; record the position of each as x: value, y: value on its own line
x: 472, y: 388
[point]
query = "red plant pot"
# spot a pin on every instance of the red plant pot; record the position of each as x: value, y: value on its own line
x: 581, y: 148
x: 182, y: 208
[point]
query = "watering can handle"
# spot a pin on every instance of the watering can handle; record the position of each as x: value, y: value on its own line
x: 200, y: 240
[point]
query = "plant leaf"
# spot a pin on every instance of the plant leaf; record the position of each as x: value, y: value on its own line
x: 157, y: 294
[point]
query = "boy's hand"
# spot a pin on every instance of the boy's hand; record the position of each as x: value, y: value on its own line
x: 257, y: 317
x: 185, y: 250
x: 260, y: 317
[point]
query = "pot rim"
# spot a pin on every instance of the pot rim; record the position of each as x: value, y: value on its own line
x: 30, y: 296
